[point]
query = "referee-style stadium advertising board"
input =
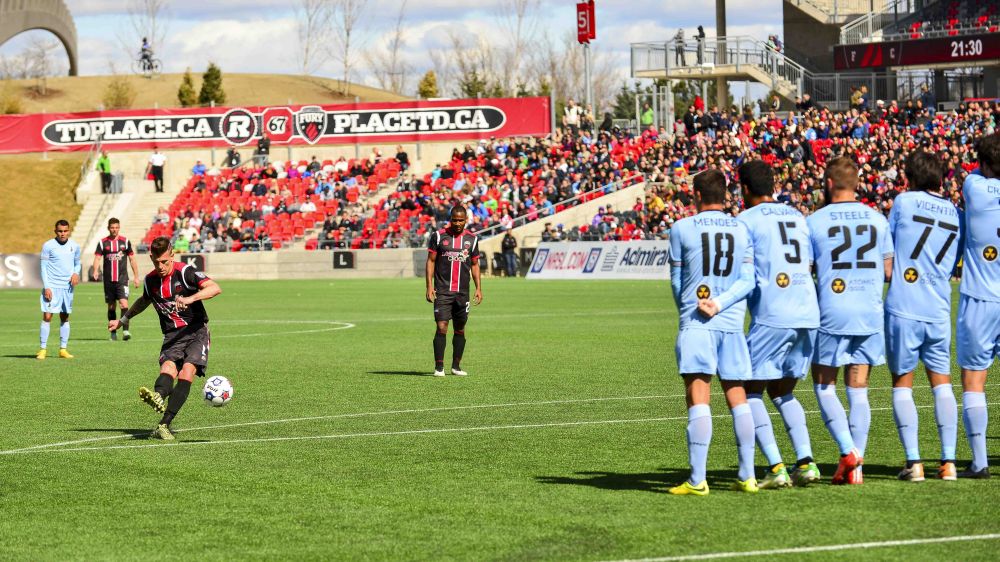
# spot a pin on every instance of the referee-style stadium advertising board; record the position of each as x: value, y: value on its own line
x: 642, y: 259
x: 20, y: 271
x: 402, y: 122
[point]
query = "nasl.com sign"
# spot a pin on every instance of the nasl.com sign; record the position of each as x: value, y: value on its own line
x: 642, y: 259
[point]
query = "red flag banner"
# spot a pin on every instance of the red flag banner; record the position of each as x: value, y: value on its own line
x: 414, y: 121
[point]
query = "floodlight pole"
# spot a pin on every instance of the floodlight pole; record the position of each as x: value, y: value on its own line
x: 721, y: 85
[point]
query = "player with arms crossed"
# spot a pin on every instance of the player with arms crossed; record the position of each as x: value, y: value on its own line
x: 925, y: 229
x: 175, y: 290
x: 978, y: 330
x: 711, y: 273
x: 784, y: 318
x: 60, y: 274
x: 112, y: 250
x: 452, y: 263
x: 853, y: 251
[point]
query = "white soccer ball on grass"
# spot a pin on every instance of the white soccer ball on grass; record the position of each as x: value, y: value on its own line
x: 218, y: 391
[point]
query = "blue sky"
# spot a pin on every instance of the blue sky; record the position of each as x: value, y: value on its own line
x: 260, y: 36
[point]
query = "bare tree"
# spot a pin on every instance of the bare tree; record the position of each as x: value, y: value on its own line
x: 391, y: 70
x: 40, y: 58
x: 517, y: 19
x: 346, y: 19
x: 312, y: 21
x: 561, y: 66
x: 147, y: 19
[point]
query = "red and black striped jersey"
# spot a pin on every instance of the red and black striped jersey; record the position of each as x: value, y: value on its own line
x: 453, y: 259
x: 115, y: 252
x: 185, y: 281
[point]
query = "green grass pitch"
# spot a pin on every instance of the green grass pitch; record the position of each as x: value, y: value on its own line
x: 560, y: 445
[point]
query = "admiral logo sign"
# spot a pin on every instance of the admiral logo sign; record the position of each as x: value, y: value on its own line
x: 310, y: 123
x: 239, y: 126
x: 640, y: 259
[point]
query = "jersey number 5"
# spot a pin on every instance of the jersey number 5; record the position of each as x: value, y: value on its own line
x: 786, y: 239
x: 722, y: 264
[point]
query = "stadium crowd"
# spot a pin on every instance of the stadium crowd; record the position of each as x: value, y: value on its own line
x: 797, y: 145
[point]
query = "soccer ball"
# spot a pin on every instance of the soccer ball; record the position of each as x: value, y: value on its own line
x: 218, y: 391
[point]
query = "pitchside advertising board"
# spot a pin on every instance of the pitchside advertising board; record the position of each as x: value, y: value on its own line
x: 644, y: 259
x: 20, y: 271
x: 297, y: 125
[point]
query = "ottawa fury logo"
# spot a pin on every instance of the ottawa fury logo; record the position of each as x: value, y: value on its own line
x: 310, y: 123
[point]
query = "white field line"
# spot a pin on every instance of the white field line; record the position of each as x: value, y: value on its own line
x: 825, y: 548
x: 387, y: 412
x: 331, y: 327
x: 388, y: 433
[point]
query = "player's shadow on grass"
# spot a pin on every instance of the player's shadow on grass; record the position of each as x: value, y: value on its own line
x: 137, y: 433
x: 658, y: 482
x: 405, y: 373
x: 19, y: 356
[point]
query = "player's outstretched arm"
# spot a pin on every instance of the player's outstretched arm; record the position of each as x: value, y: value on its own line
x: 136, y: 309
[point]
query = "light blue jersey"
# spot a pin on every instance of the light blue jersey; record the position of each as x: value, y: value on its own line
x: 784, y: 296
x: 850, y: 242
x: 981, y: 259
x: 925, y: 232
x: 59, y: 263
x: 711, y: 257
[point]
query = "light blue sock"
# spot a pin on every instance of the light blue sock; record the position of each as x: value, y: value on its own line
x: 699, y: 435
x: 63, y: 335
x: 43, y: 334
x: 946, y: 415
x: 743, y: 428
x: 834, y: 416
x: 974, y: 416
x: 763, y: 430
x: 904, y: 411
x: 860, y: 416
x: 795, y: 424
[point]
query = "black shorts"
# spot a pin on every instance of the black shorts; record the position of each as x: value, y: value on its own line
x: 451, y: 306
x: 187, y: 346
x: 114, y: 292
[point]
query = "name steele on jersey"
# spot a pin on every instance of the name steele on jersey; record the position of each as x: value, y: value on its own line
x: 239, y: 126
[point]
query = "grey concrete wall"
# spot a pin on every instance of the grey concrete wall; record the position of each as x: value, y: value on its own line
x: 810, y: 37
x: 289, y: 264
x: 50, y: 15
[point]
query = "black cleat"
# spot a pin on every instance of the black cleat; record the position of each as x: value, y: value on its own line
x: 982, y: 474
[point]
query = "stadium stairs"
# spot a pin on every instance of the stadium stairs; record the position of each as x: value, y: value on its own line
x: 734, y: 58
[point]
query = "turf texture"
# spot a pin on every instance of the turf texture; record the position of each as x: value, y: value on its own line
x: 559, y: 445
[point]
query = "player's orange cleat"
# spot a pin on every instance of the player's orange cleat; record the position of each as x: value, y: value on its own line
x: 947, y: 471
x: 847, y: 464
x: 42, y: 353
x: 856, y: 476
x: 64, y: 354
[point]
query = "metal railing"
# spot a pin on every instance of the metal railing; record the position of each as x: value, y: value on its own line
x: 735, y: 51
x: 868, y: 27
x: 565, y: 203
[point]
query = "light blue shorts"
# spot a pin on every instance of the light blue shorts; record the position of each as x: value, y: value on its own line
x: 710, y: 352
x: 908, y: 341
x: 777, y: 353
x: 62, y: 301
x: 834, y: 350
x: 977, y: 333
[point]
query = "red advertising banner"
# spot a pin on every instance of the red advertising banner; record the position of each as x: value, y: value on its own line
x: 586, y: 28
x: 297, y: 125
x: 918, y: 52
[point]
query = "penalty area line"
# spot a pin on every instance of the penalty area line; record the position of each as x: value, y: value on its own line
x: 824, y: 548
x: 385, y: 433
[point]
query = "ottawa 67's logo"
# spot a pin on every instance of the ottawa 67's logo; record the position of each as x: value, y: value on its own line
x: 277, y: 123
x: 310, y: 123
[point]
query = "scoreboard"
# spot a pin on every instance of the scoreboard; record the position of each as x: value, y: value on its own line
x: 919, y: 52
